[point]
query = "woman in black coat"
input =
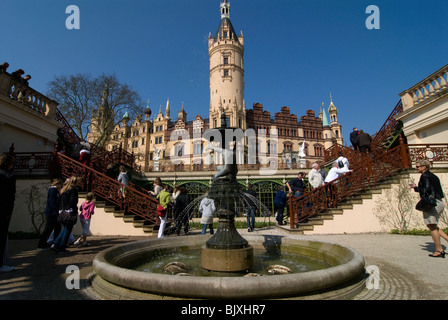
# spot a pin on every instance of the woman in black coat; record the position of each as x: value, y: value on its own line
x: 69, y: 201
x: 51, y: 213
x: 429, y: 186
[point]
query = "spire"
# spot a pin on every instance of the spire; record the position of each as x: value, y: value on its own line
x: 324, y: 116
x: 332, y: 107
x: 148, y: 111
x: 225, y: 28
x: 167, y: 109
x: 225, y: 9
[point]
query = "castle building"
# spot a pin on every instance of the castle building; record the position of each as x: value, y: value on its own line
x: 179, y: 143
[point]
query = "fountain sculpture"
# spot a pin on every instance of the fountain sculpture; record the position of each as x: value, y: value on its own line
x: 227, y: 250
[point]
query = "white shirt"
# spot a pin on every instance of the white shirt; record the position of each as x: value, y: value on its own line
x: 335, y: 173
x: 315, y: 178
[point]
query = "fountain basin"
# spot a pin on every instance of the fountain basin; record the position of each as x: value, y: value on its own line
x: 114, y: 277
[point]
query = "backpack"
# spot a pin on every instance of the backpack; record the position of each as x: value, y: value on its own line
x: 340, y: 164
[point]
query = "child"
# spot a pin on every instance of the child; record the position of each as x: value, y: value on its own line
x: 87, y: 210
x: 164, y: 198
x: 124, y: 179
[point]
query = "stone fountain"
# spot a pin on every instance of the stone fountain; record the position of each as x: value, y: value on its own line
x: 226, y: 256
x: 227, y: 250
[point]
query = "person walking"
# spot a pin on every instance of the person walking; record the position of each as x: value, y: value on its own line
x: 164, y: 198
x: 124, y: 179
x: 353, y: 136
x: 334, y: 173
x: 180, y: 214
x: 87, y: 209
x: 297, y: 185
x: 158, y: 186
x: 429, y: 188
x: 364, y: 141
x: 7, y: 199
x: 343, y: 161
x: 315, y: 177
x: 51, y: 213
x: 251, y: 207
x: 279, y: 204
x: 207, y: 208
x: 69, y: 202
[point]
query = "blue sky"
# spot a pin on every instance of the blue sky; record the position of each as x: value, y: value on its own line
x: 296, y: 51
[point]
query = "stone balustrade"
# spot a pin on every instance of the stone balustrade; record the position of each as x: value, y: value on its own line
x: 426, y: 89
x: 17, y: 91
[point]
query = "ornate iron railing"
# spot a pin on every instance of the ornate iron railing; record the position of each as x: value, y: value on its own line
x: 101, y: 157
x: 388, y: 127
x: 367, y: 173
x: 434, y: 152
x: 32, y: 162
x: 135, y: 201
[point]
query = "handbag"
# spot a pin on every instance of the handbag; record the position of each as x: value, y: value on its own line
x: 161, y: 211
x: 426, y: 203
x: 67, y: 216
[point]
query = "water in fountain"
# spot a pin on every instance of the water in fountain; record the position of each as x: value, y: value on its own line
x: 248, y: 199
x: 186, y: 214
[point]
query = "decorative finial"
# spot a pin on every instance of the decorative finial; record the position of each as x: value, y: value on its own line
x: 225, y: 9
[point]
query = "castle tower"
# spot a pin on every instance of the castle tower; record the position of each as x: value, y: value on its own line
x: 226, y: 56
x: 336, y: 128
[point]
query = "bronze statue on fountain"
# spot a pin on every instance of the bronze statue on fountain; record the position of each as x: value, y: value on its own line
x: 227, y: 250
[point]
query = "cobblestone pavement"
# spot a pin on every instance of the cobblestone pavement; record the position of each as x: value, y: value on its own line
x: 405, y: 270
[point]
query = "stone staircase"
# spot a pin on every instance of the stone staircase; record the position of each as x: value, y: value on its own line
x: 360, y: 205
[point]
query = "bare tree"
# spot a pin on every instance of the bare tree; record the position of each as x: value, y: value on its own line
x: 396, y: 208
x: 83, y: 98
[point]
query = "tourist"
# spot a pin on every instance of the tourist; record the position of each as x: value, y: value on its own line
x: 87, y: 209
x: 162, y: 210
x: 251, y: 207
x: 17, y: 75
x: 110, y: 171
x: 69, y: 202
x: 364, y: 141
x: 343, y: 161
x: 323, y: 172
x: 158, y: 186
x: 180, y: 214
x: 353, y: 136
x: 315, y: 177
x: 51, y: 213
x: 85, y: 156
x: 123, y: 178
x: 334, y: 173
x: 7, y: 198
x: 207, y: 208
x: 297, y: 185
x: 3, y: 67
x: 175, y: 194
x: 429, y: 187
x: 279, y: 204
x: 26, y: 79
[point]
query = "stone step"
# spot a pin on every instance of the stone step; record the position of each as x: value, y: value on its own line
x: 325, y: 216
x: 316, y: 221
